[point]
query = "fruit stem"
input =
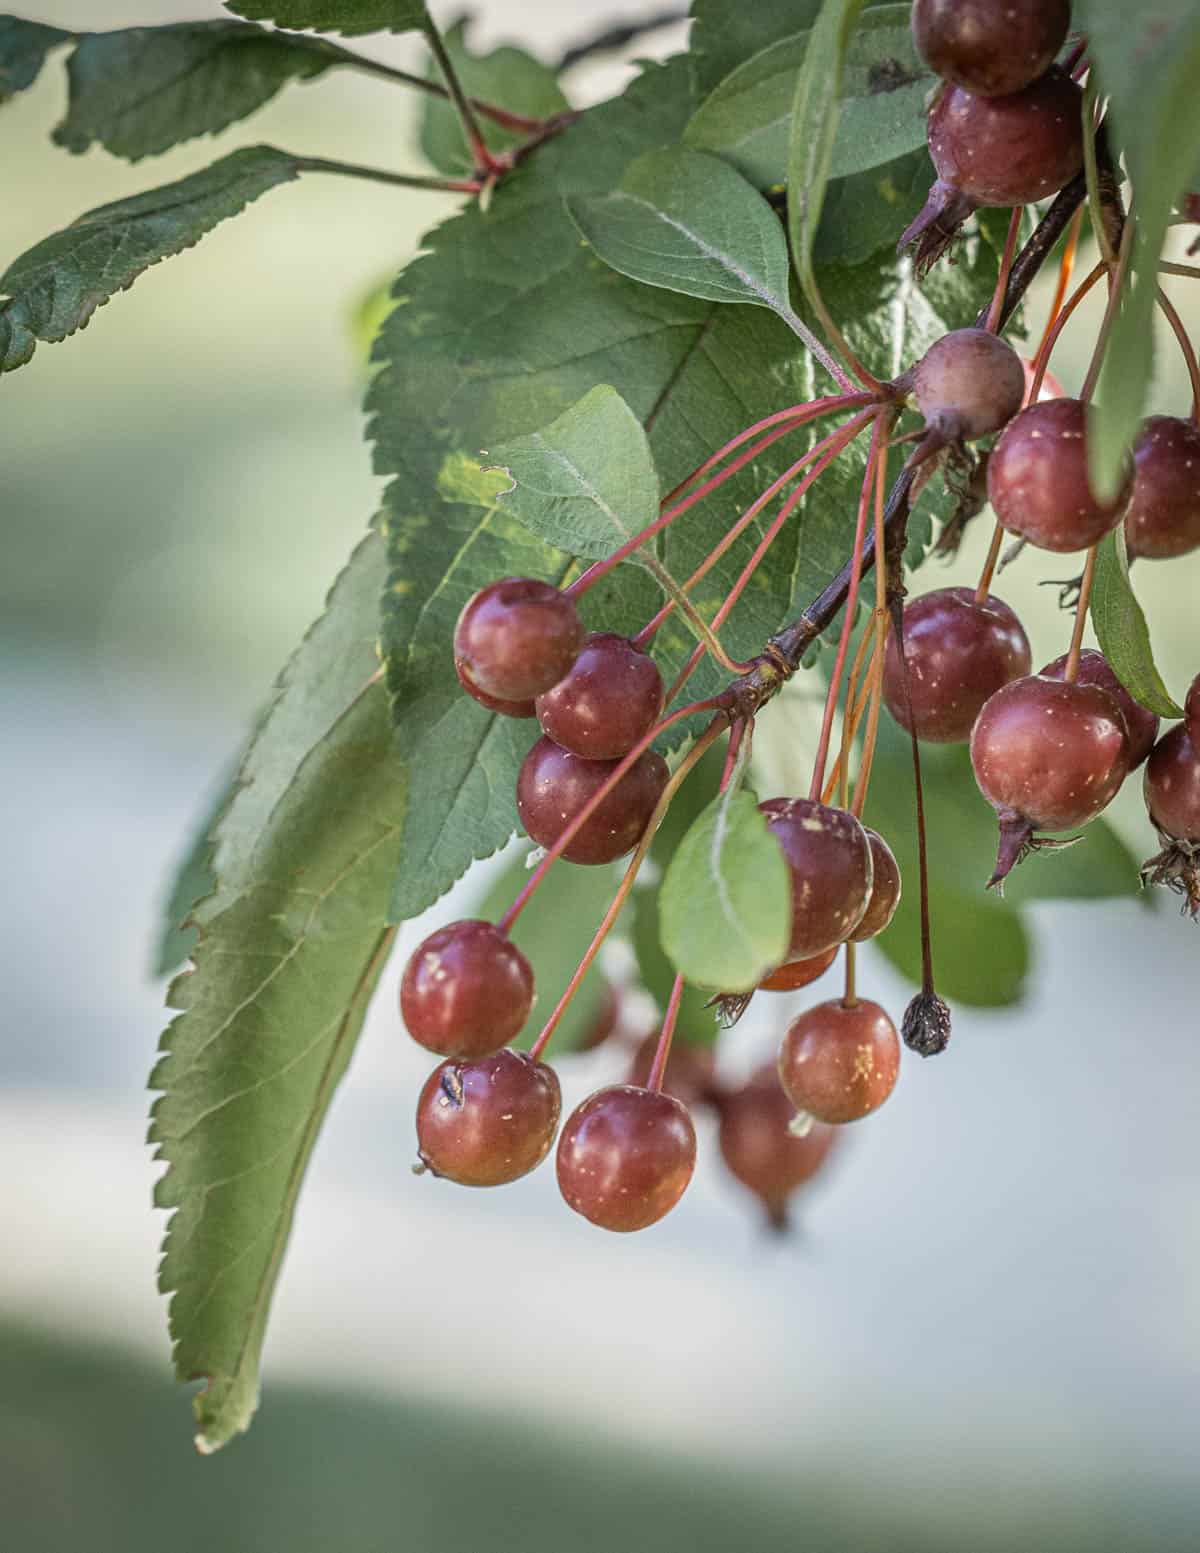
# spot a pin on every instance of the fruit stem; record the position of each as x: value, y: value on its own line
x: 1091, y: 170
x: 321, y: 164
x: 1071, y: 671
x: 1116, y: 286
x: 626, y: 885
x: 717, y: 704
x: 1185, y: 345
x: 485, y: 164
x: 646, y: 634
x: 516, y: 122
x: 858, y: 686
x: 996, y: 310
x: 878, y: 437
x: 662, y: 1051
x: 989, y: 565
x: 1188, y: 271
x: 1066, y: 268
x: 850, y: 996
x: 837, y: 444
x: 882, y: 626
x: 617, y: 37
x: 798, y: 415
x: 1055, y: 328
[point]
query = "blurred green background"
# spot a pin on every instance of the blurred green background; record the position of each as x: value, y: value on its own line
x: 986, y: 1334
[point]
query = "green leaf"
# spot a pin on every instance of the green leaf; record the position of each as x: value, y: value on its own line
x: 507, y: 76
x: 868, y: 211
x: 981, y: 948
x: 142, y: 90
x: 55, y: 287
x: 553, y: 931
x: 748, y: 119
x: 1121, y: 628
x: 695, y: 1022
x: 725, y: 908
x: 690, y: 223
x: 23, y: 49
x: 1147, y: 59
x: 815, y: 112
x: 586, y: 483
x: 501, y: 326
x: 291, y: 945
x: 344, y: 16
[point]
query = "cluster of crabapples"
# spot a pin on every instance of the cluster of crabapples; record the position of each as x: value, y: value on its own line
x: 1049, y: 749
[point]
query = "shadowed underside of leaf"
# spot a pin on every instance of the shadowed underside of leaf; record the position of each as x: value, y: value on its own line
x: 23, y: 49
x: 54, y: 288
x: 290, y: 948
x: 142, y: 90
x: 1122, y: 631
x: 345, y: 16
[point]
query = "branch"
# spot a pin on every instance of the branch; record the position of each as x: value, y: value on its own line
x: 618, y: 36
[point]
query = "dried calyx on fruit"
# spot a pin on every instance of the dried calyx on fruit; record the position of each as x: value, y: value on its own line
x: 1172, y: 791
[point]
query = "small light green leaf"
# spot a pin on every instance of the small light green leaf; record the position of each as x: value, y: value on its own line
x: 748, y: 119
x: 553, y: 931
x: 142, y: 90
x: 585, y: 483
x: 507, y: 76
x: 1147, y: 59
x: 695, y: 1021
x: 1122, y: 631
x: 54, y: 288
x: 690, y: 223
x: 725, y: 904
x: 815, y: 112
x: 291, y: 945
x: 23, y: 49
x: 345, y: 16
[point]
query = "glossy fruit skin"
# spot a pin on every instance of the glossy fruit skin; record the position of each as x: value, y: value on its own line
x: 759, y: 1150
x: 488, y: 1122
x: 516, y: 638
x: 690, y: 1074
x: 885, y: 890
x: 608, y: 700
x: 1163, y: 516
x: 1191, y: 712
x: 969, y: 384
x: 494, y: 703
x: 958, y: 654
x: 625, y: 1157
x: 839, y: 1063
x: 794, y: 974
x: 1050, y: 752
x: 1172, y: 785
x: 1008, y: 150
x: 466, y: 990
x: 553, y: 786
x: 1038, y: 481
x: 987, y: 47
x: 829, y: 858
x: 1140, y: 723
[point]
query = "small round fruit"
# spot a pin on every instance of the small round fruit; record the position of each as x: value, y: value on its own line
x: 554, y: 785
x: 466, y: 990
x: 794, y: 974
x: 839, y: 1062
x: 608, y: 700
x: 760, y: 1150
x: 1047, y: 756
x: 989, y: 47
x: 488, y: 1122
x: 494, y: 703
x: 1038, y: 479
x: 1009, y: 150
x: 885, y: 890
x: 1191, y: 712
x: 1140, y: 723
x: 958, y: 654
x: 690, y: 1073
x: 829, y: 859
x: 969, y: 384
x: 1172, y: 785
x: 516, y: 638
x: 625, y: 1157
x: 1163, y: 516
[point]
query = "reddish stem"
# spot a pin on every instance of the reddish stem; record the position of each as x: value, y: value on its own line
x: 1046, y: 348
x: 662, y: 1051
x: 835, y: 681
x: 996, y: 311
